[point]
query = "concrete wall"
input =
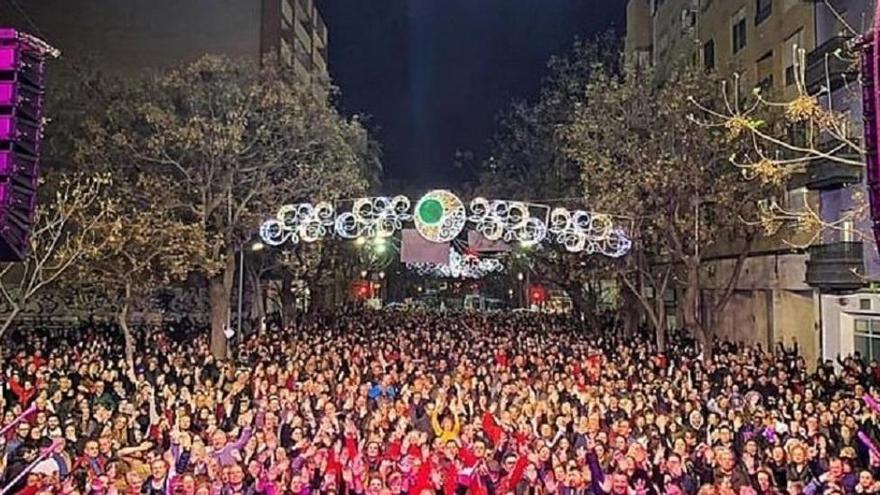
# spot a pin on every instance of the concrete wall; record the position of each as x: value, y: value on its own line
x: 772, y: 302
x: 639, y: 30
x: 747, y: 318
x: 795, y: 321
x: 674, y: 42
x: 127, y: 35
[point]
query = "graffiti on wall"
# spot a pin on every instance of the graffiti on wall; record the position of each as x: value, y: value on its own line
x: 76, y: 305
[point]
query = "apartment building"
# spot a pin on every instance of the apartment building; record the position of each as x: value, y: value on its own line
x: 845, y: 266
x: 784, y: 294
x: 127, y: 36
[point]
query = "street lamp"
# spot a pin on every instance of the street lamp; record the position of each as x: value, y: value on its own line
x: 381, y: 275
x: 360, y: 241
x: 254, y: 247
x: 363, y: 274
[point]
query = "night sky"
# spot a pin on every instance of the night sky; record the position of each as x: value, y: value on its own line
x: 433, y: 74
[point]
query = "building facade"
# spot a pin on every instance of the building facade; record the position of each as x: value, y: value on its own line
x: 132, y: 35
x: 845, y: 266
x: 783, y: 294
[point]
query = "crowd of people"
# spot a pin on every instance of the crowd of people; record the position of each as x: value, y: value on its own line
x: 402, y: 403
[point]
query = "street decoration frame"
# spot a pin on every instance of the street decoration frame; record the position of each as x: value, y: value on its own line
x: 441, y: 216
x: 461, y: 265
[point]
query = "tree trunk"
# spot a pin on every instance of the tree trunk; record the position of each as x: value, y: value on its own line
x: 631, y: 311
x: 288, y: 301
x: 578, y: 304
x: 220, y: 290
x: 691, y: 308
x: 122, y: 320
x: 659, y: 324
x: 9, y: 319
x: 258, y: 304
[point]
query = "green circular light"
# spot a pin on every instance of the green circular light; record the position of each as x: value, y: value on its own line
x: 431, y: 211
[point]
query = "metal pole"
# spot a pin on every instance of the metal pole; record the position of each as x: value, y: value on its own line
x: 240, y: 288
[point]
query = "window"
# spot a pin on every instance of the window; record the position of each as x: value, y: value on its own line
x: 764, y: 70
x: 797, y: 134
x: 865, y: 304
x: 763, y: 9
x: 766, y: 84
x: 709, y: 55
x: 867, y: 339
x: 655, y: 5
x: 796, y: 199
x: 738, y: 28
x: 792, y: 46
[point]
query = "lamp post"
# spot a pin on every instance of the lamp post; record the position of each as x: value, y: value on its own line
x: 522, y: 292
x: 254, y: 247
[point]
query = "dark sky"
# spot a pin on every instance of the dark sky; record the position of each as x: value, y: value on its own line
x: 433, y: 74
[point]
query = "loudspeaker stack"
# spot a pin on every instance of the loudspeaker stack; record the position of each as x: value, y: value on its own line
x: 22, y: 79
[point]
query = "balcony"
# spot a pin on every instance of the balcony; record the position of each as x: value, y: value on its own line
x: 840, y: 64
x: 836, y: 267
x: 320, y: 28
x: 825, y: 174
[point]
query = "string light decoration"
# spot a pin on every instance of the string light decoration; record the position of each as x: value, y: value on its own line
x: 299, y: 223
x: 510, y: 221
x: 440, y: 216
x: 374, y: 217
x: 459, y: 266
x: 584, y: 231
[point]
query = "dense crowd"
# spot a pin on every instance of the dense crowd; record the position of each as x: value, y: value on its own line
x: 395, y: 403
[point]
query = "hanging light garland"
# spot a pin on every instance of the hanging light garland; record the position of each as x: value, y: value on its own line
x: 440, y: 216
x: 459, y: 266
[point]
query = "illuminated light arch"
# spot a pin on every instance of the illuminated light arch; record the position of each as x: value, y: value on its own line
x: 440, y: 216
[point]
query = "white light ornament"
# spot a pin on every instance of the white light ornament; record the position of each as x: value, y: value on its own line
x: 440, y: 216
x: 297, y: 223
x: 583, y: 231
x: 459, y: 266
x: 374, y: 217
x: 510, y: 221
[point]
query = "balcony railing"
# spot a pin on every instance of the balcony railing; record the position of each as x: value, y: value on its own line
x: 830, y: 64
x: 827, y: 174
x: 836, y: 267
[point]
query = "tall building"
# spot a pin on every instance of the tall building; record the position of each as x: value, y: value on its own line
x: 127, y: 36
x: 784, y: 294
x: 845, y: 266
